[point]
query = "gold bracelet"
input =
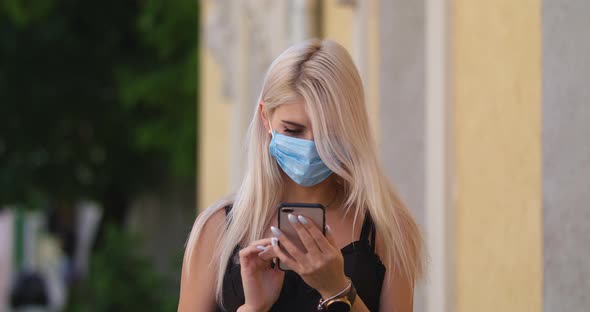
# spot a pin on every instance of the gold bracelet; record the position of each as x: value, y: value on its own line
x: 344, y: 299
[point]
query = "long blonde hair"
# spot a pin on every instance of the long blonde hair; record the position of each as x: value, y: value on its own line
x: 323, y: 74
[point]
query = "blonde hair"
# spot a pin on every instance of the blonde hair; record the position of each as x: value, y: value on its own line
x: 323, y: 74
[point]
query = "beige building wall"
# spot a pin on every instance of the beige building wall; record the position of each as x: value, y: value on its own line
x: 214, y: 117
x: 337, y: 22
x: 496, y: 93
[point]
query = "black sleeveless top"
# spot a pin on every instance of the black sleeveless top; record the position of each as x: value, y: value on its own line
x: 361, y: 264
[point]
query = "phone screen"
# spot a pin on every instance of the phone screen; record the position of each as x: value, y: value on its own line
x: 314, y: 212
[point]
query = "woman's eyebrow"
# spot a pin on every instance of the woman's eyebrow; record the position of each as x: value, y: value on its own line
x: 293, y: 123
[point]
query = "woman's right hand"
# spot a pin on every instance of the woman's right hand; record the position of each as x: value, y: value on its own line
x: 262, y: 284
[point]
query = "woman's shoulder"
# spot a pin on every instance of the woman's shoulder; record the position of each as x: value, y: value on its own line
x: 197, y: 273
x: 212, y: 221
x: 209, y: 223
x: 213, y: 218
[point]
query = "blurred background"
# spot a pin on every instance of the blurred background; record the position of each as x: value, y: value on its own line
x: 120, y: 120
x: 98, y: 105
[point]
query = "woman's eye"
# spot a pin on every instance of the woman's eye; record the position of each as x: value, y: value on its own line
x: 292, y: 131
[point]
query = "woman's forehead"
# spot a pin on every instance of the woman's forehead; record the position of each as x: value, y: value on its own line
x: 293, y: 111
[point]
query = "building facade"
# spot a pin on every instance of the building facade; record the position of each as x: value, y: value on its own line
x: 480, y: 111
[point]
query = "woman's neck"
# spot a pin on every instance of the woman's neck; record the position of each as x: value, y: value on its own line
x: 325, y: 193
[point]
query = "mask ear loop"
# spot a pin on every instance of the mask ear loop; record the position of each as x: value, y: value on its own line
x: 272, y: 131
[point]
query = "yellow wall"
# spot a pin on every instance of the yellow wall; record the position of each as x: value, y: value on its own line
x: 337, y: 23
x: 214, y: 116
x: 496, y: 79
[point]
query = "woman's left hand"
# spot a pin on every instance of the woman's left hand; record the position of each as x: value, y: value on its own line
x: 321, y: 266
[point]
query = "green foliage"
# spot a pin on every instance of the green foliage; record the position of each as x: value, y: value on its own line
x: 167, y: 81
x: 24, y: 12
x: 121, y: 279
x: 95, y: 96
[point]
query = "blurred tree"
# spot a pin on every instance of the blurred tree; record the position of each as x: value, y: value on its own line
x: 97, y: 99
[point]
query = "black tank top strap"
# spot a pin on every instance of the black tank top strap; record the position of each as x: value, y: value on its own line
x: 368, y: 231
x: 227, y: 209
x: 237, y: 249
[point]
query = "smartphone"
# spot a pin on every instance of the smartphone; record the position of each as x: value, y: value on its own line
x: 314, y: 212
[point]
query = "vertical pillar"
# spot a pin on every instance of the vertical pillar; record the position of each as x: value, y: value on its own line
x: 496, y: 89
x: 401, y: 109
x: 566, y: 155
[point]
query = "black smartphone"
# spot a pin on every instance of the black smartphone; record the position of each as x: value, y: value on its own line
x: 314, y: 212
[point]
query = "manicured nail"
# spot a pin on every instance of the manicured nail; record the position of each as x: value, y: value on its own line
x: 328, y: 228
x: 275, y: 242
x: 275, y: 231
x: 261, y: 247
x: 292, y: 219
x: 302, y: 219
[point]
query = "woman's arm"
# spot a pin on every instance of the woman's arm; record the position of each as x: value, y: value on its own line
x: 359, y: 305
x: 397, y: 293
x: 197, y: 288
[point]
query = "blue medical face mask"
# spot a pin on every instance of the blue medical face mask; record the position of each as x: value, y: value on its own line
x: 299, y: 159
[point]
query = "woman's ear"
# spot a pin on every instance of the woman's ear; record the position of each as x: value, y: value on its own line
x: 263, y: 116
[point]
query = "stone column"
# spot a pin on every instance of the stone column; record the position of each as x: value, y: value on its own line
x: 566, y: 155
x: 402, y: 89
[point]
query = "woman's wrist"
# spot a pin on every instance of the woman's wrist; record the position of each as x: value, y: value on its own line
x: 245, y: 308
x: 248, y: 308
x: 336, y: 288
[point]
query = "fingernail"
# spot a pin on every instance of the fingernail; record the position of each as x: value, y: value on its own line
x: 275, y: 231
x: 328, y: 228
x: 274, y: 241
x: 261, y: 247
x: 302, y: 219
x: 292, y: 219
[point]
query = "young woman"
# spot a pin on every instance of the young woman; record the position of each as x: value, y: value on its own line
x: 309, y: 142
